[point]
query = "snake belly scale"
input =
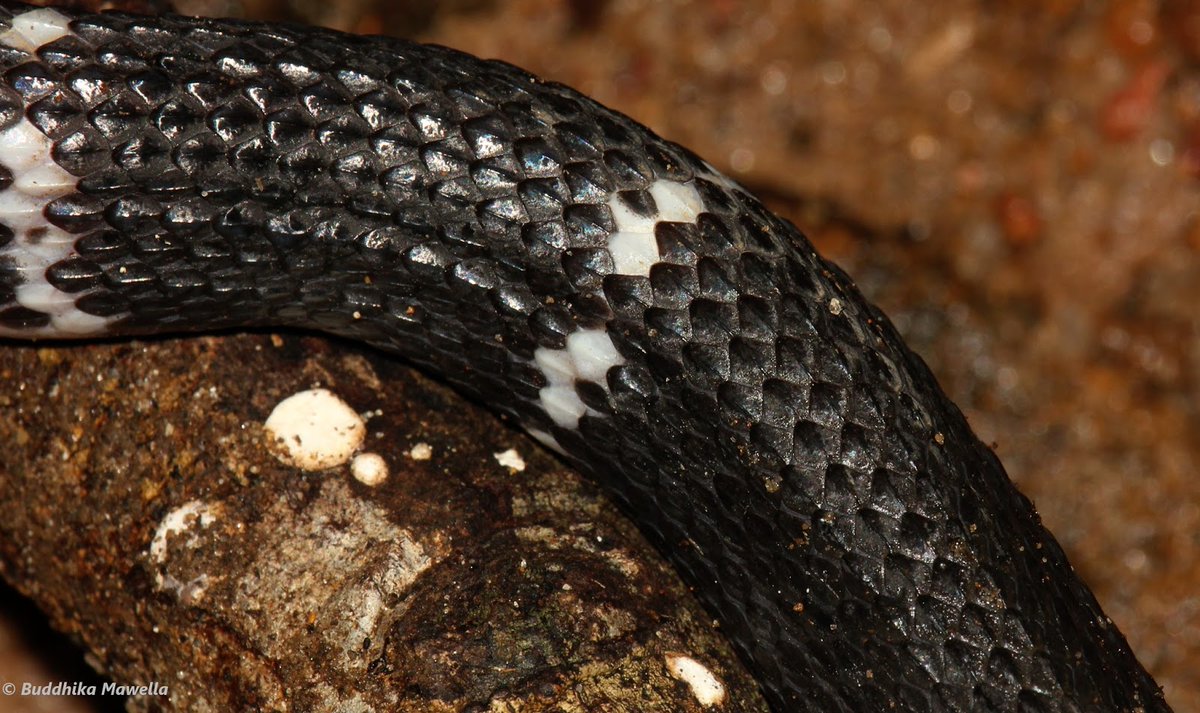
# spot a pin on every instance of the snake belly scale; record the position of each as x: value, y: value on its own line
x: 628, y: 305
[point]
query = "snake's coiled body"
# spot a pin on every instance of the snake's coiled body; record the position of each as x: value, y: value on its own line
x: 632, y: 308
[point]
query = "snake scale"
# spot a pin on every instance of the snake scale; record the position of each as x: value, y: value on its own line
x: 628, y: 305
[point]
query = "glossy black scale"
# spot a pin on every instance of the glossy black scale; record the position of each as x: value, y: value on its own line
x: 768, y: 429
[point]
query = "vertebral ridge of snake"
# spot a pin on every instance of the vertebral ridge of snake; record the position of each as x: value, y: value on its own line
x: 632, y: 308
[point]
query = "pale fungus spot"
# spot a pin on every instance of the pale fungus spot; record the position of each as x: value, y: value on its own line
x: 369, y: 469
x: 706, y: 687
x: 315, y: 430
x: 510, y: 459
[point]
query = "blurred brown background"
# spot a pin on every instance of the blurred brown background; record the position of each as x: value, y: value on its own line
x: 1017, y: 183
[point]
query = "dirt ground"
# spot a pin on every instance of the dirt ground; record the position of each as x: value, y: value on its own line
x: 1017, y: 184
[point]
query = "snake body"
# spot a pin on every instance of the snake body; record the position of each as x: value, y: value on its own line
x: 632, y: 308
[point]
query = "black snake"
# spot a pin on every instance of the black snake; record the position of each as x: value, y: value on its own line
x: 631, y: 307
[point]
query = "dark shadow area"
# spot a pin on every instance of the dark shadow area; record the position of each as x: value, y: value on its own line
x: 55, y: 654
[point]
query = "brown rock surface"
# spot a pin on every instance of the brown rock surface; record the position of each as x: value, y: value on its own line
x: 1015, y: 183
x: 142, y: 507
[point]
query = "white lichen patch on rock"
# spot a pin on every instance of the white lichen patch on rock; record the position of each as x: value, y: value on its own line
x: 315, y: 430
x: 179, y: 521
x: 339, y: 566
x: 367, y: 606
x: 324, y: 577
x: 705, y: 686
x: 369, y: 469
